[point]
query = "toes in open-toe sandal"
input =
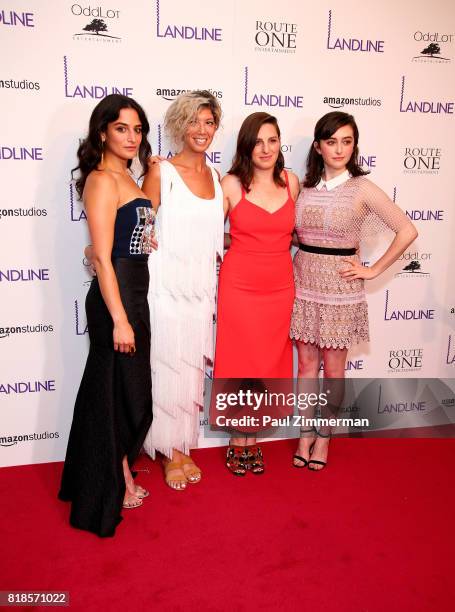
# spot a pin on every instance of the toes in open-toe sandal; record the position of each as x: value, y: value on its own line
x: 255, y: 459
x: 141, y: 493
x: 316, y: 462
x: 299, y: 458
x: 192, y: 473
x: 174, y: 476
x: 236, y: 460
x: 128, y: 505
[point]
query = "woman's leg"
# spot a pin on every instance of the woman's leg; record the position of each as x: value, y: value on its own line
x: 132, y: 497
x: 307, y: 382
x: 334, y: 365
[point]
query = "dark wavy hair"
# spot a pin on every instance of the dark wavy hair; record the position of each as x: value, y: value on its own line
x: 323, y: 130
x: 242, y: 165
x: 91, y: 148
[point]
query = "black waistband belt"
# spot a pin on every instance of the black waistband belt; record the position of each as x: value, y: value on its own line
x: 326, y: 251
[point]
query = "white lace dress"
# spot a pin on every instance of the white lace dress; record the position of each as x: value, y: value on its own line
x: 190, y: 234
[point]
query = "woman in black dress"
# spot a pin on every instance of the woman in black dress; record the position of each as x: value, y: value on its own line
x: 113, y: 409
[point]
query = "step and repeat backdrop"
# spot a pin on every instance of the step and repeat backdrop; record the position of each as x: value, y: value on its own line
x: 391, y: 64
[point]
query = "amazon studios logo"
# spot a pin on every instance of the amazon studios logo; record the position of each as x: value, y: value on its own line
x: 269, y: 99
x: 171, y: 94
x: 352, y: 44
x: 22, y: 85
x: 391, y: 314
x: 430, y: 47
x: 96, y: 28
x: 16, y: 330
x: 340, y: 102
x: 186, y: 32
x: 92, y: 91
x: 15, y: 439
x: 11, y: 18
x: 421, y: 160
x: 275, y: 37
x: 435, y: 107
x: 22, y: 212
x: 405, y: 360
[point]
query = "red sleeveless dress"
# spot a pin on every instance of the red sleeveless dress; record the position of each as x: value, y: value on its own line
x: 256, y: 293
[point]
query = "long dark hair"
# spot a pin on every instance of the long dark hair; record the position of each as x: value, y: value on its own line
x: 242, y: 166
x: 91, y: 148
x: 323, y: 130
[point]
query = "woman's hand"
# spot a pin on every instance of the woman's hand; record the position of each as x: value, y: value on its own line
x: 355, y: 270
x: 124, y: 338
x: 88, y: 259
x: 155, y: 159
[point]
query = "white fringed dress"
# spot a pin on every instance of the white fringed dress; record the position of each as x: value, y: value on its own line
x: 182, y: 293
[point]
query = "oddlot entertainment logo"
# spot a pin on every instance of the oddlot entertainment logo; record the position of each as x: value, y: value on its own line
x: 363, y: 45
x: 430, y: 47
x: 268, y: 99
x: 92, y: 91
x: 95, y: 30
x: 186, y: 32
x: 435, y: 107
x: 413, y: 267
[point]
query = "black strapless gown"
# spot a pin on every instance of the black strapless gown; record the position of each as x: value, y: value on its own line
x: 113, y: 410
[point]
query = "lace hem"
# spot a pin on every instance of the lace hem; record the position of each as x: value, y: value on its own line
x: 329, y: 325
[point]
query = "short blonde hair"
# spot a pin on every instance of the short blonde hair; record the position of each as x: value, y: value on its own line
x: 184, y: 109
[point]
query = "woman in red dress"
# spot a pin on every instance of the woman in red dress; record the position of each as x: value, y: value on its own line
x: 256, y: 285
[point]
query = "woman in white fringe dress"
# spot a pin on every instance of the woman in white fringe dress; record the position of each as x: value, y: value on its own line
x: 190, y: 232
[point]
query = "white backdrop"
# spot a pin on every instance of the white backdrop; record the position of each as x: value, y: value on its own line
x: 390, y: 64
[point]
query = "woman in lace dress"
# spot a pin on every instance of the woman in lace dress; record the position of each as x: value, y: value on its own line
x: 190, y: 233
x: 337, y: 207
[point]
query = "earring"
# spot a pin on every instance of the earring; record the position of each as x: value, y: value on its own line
x: 102, y: 152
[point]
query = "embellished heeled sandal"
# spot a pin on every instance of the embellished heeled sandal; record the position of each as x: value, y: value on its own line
x: 255, y: 459
x: 236, y: 460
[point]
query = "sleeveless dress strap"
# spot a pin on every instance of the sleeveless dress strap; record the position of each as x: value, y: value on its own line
x: 286, y: 178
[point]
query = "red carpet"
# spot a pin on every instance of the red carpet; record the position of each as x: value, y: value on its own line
x: 372, y: 531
